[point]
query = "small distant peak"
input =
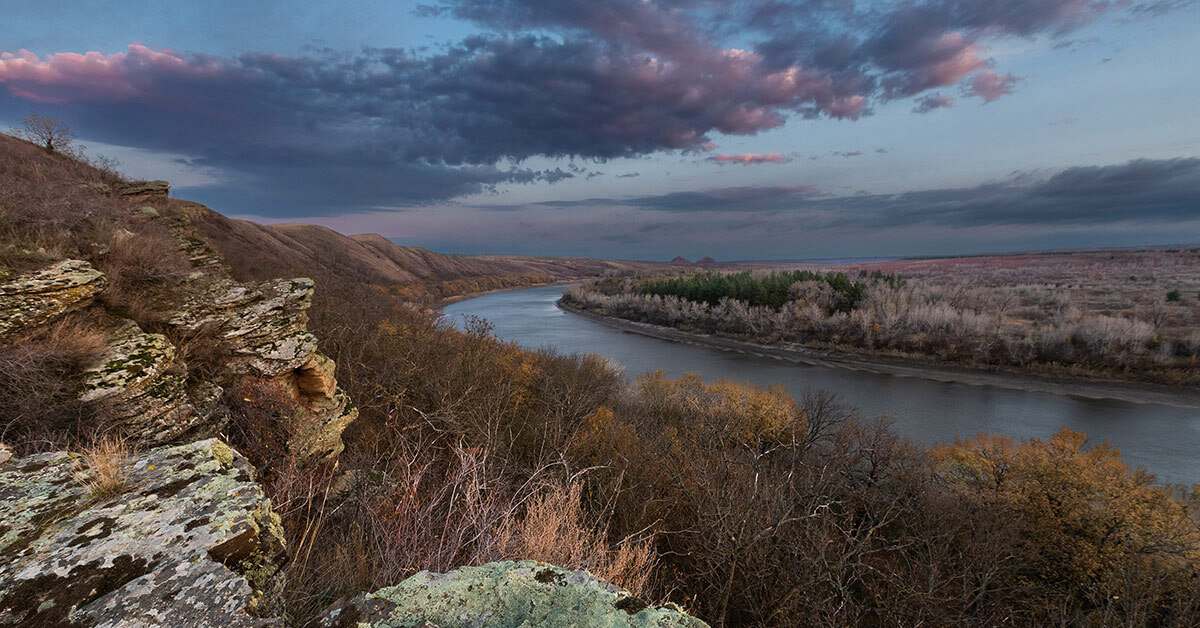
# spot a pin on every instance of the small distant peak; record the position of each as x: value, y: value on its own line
x: 706, y: 261
x: 679, y: 259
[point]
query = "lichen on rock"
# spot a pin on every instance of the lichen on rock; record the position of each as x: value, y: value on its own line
x: 504, y: 595
x: 38, y: 298
x: 168, y: 551
x: 263, y: 329
x: 139, y: 389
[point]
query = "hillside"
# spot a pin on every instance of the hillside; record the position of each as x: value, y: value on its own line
x: 258, y: 251
x: 292, y: 443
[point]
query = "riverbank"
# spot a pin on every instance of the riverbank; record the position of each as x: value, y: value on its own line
x: 1054, y: 384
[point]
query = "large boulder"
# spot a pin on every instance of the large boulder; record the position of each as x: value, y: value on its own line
x: 504, y: 595
x: 33, y: 299
x: 189, y: 541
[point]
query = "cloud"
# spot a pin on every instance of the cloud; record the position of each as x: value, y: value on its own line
x: 321, y: 132
x: 750, y: 158
x: 629, y: 175
x: 1142, y: 191
x: 931, y: 102
x: 989, y: 85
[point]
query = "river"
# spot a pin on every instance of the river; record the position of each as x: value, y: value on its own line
x: 1165, y: 439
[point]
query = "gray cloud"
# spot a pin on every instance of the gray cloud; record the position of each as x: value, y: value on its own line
x: 1144, y: 190
x: 332, y: 132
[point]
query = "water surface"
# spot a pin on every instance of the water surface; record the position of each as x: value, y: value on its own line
x: 1165, y: 439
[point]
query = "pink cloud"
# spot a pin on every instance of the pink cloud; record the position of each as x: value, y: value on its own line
x: 989, y: 85
x: 750, y: 158
x: 956, y: 56
x: 69, y: 76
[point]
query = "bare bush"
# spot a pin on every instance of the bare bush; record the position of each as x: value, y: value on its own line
x: 41, y: 379
x: 52, y: 135
x: 556, y: 529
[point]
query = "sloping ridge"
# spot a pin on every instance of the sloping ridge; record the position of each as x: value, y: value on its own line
x: 257, y: 251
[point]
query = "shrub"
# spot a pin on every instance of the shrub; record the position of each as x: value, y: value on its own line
x: 556, y: 529
x: 1174, y: 296
x: 41, y: 379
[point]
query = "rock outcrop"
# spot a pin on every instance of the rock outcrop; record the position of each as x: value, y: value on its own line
x: 504, y: 595
x: 189, y: 541
x: 140, y: 389
x: 33, y: 299
x: 263, y: 329
x: 157, y: 188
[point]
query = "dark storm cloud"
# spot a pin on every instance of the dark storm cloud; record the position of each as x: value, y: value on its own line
x: 1144, y: 190
x: 333, y: 132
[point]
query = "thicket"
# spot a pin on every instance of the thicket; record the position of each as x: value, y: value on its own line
x: 756, y: 289
x: 761, y: 509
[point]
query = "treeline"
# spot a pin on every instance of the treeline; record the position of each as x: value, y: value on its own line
x: 913, y: 318
x: 757, y: 289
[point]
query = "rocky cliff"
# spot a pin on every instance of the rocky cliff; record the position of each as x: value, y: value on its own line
x: 140, y: 386
x: 183, y: 534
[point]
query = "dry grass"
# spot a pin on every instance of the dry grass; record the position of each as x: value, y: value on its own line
x: 105, y: 466
x: 40, y: 382
x: 556, y: 529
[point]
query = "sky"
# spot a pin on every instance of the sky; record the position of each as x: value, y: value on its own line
x: 760, y: 129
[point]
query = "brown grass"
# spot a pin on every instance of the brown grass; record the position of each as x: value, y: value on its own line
x: 105, y: 466
x: 40, y: 382
x: 556, y: 529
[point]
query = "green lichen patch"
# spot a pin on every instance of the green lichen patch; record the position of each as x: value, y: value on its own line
x: 505, y: 595
x: 68, y: 560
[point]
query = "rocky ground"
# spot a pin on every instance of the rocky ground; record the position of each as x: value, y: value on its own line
x: 185, y: 535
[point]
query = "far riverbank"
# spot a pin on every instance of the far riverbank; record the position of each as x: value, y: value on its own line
x: 1089, y: 388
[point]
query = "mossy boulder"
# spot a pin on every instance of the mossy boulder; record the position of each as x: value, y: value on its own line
x: 33, y: 299
x: 139, y: 388
x: 504, y: 595
x: 173, y: 548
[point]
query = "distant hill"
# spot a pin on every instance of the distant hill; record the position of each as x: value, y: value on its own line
x: 257, y: 251
x: 679, y: 259
x: 707, y: 261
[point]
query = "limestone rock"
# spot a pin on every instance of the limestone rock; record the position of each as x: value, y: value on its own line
x: 140, y: 390
x: 263, y: 330
x: 33, y: 299
x: 263, y: 325
x: 190, y: 541
x: 144, y: 188
x: 145, y: 211
x: 504, y: 595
